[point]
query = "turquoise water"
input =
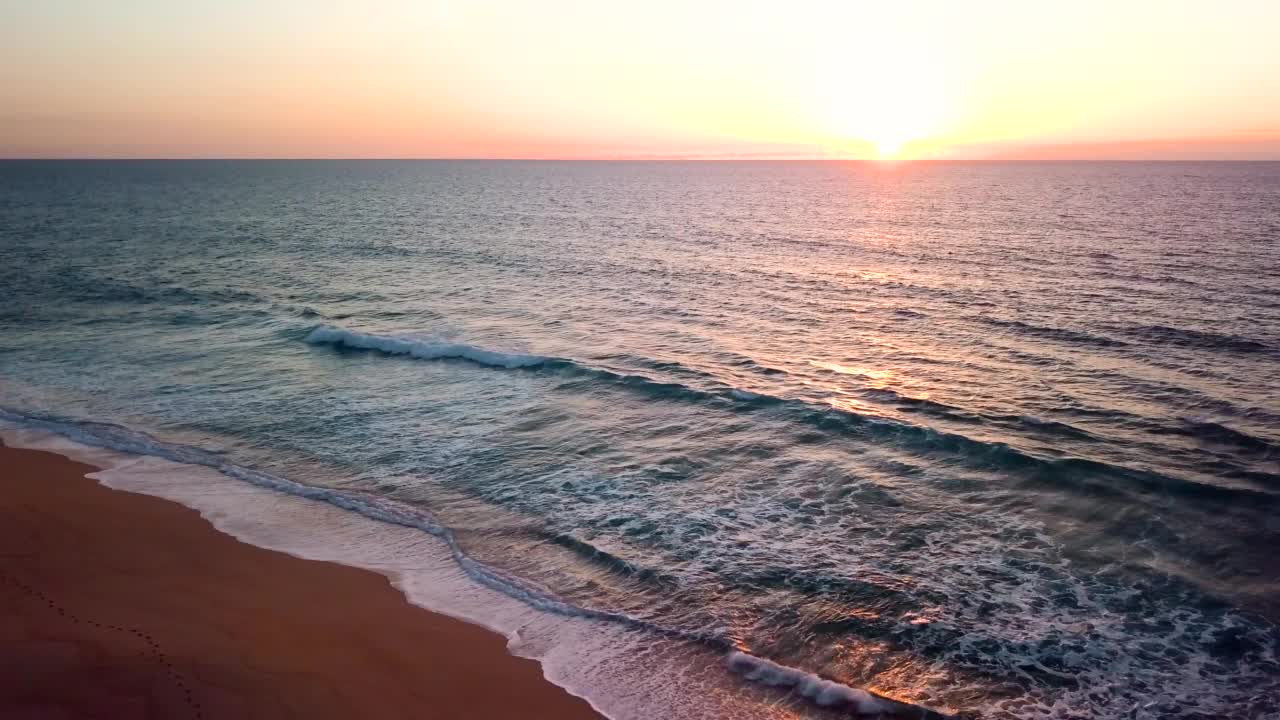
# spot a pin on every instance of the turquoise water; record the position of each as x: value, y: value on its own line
x: 992, y: 439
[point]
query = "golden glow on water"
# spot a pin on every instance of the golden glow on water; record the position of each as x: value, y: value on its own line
x: 881, y: 376
x: 851, y: 405
x: 872, y: 378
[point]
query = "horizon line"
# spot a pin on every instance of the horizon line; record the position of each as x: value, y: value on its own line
x: 703, y: 159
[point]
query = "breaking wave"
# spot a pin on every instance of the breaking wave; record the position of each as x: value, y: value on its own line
x: 423, y: 349
x: 1081, y: 474
x: 823, y: 692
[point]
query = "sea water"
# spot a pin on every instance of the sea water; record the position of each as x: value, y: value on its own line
x: 771, y: 440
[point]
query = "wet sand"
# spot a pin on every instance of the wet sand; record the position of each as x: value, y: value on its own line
x: 118, y: 605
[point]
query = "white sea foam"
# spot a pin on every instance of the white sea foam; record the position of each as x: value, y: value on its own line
x: 589, y: 653
x: 421, y: 348
x: 111, y: 437
x: 821, y: 691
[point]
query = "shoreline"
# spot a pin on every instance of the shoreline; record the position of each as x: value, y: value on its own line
x: 133, y: 606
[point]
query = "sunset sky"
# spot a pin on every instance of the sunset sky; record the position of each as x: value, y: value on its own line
x: 663, y: 78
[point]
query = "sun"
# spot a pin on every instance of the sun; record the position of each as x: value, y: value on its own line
x: 892, y: 113
x: 888, y: 148
x: 887, y: 123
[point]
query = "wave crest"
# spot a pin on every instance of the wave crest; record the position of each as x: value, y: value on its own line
x: 423, y: 348
x: 1069, y: 472
x: 820, y: 691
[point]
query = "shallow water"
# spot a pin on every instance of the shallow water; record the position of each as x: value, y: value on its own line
x: 993, y: 439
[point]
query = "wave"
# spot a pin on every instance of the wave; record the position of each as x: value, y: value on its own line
x: 430, y: 349
x: 1051, y: 333
x: 924, y: 406
x: 606, y: 559
x: 424, y: 349
x: 1077, y: 474
x: 1051, y: 428
x: 122, y: 439
x: 822, y: 692
x: 1197, y: 339
x: 1211, y: 432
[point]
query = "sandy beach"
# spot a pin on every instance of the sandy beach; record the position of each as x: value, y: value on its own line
x: 118, y: 605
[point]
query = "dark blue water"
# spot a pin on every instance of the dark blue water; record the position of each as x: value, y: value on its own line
x: 992, y: 439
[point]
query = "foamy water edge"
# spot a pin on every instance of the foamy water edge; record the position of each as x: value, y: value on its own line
x: 588, y: 657
x: 228, y: 505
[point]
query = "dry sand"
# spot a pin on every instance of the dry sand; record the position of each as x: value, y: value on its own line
x: 117, y: 605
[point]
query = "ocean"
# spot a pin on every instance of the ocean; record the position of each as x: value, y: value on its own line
x: 768, y: 440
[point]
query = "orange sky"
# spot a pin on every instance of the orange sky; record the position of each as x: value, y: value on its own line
x: 400, y: 78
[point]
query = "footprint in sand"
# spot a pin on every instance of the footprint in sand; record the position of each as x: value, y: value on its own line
x: 156, y: 652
